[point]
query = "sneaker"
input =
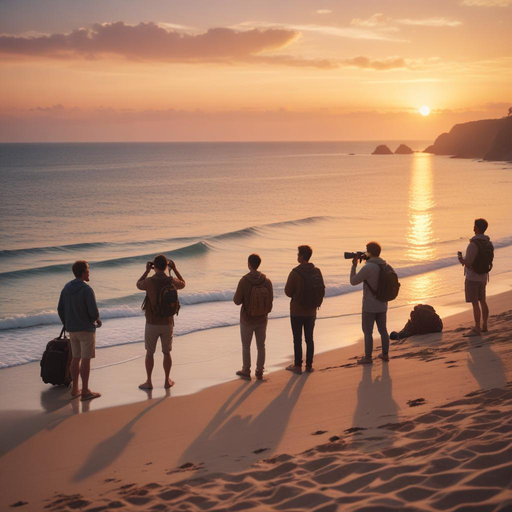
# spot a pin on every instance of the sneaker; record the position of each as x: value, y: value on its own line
x: 259, y: 375
x: 309, y: 369
x: 384, y: 357
x: 295, y: 369
x: 244, y: 374
x: 365, y: 360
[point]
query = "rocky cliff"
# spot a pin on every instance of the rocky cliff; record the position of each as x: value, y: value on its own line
x: 490, y: 139
x: 501, y: 147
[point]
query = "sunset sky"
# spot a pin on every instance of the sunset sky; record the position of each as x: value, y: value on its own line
x: 134, y: 70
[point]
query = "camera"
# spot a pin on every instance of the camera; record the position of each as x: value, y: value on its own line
x: 359, y: 255
x: 151, y: 264
x: 459, y: 255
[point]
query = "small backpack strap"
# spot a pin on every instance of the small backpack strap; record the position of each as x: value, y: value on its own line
x: 370, y: 288
x: 368, y: 284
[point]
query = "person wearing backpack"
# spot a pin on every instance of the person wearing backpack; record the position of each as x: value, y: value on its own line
x: 305, y: 286
x: 380, y: 286
x: 160, y: 305
x: 477, y: 265
x: 255, y: 294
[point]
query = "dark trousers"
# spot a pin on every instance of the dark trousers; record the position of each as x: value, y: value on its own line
x: 308, y: 324
x: 368, y: 320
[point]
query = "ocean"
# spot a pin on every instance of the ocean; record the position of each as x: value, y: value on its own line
x: 208, y: 206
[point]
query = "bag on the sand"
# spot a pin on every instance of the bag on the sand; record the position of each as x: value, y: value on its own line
x: 388, y: 286
x: 484, y: 257
x: 313, y: 288
x: 56, y: 361
x: 260, y: 300
x: 424, y: 320
x: 167, y: 302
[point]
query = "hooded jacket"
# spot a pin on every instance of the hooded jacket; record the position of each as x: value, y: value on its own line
x: 471, y: 254
x: 77, y: 307
x: 370, y: 273
x: 243, y: 295
x: 293, y: 289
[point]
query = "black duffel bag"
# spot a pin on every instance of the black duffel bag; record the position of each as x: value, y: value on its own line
x: 56, y: 361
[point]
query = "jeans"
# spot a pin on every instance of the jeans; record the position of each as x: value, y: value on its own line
x: 298, y: 323
x: 246, y: 332
x: 368, y: 320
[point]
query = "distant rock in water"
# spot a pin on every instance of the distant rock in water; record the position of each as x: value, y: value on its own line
x: 490, y: 139
x: 382, y: 150
x: 403, y: 150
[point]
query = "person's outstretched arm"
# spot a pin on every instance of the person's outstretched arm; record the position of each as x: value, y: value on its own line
x: 141, y: 285
x: 359, y: 277
x: 178, y: 281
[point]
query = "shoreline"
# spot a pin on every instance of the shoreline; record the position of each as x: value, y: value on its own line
x: 117, y: 370
x: 229, y: 427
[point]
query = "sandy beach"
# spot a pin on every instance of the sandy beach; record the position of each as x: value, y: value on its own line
x: 430, y: 430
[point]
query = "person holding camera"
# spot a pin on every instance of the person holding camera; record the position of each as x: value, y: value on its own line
x: 159, y: 314
x: 374, y: 310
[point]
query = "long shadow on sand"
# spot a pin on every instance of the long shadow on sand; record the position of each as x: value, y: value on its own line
x: 17, y: 426
x: 375, y: 403
x: 106, y: 452
x: 486, y: 366
x: 228, y: 433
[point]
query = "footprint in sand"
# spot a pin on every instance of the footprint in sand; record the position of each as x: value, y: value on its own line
x: 260, y: 450
x: 416, y: 402
x: 353, y: 429
x: 319, y: 432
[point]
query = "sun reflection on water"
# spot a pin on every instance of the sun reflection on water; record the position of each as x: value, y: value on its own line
x: 420, y: 234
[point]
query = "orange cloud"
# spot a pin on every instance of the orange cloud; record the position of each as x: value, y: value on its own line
x: 376, y: 64
x: 152, y: 42
x: 148, y: 41
x: 487, y: 3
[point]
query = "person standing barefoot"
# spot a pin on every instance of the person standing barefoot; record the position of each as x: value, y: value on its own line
x: 159, y: 315
x: 79, y: 313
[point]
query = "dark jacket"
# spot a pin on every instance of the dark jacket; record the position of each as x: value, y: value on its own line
x: 243, y: 295
x: 77, y: 307
x: 293, y: 289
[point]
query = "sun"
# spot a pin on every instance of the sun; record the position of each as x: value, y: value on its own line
x: 424, y: 110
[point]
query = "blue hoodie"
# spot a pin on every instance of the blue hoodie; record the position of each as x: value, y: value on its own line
x: 77, y: 307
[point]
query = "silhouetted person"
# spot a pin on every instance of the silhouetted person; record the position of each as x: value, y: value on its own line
x: 254, y: 293
x: 305, y: 286
x: 79, y: 313
x: 374, y: 310
x: 477, y: 264
x: 159, y: 323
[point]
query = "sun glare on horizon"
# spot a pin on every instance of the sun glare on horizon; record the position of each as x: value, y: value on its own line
x: 424, y: 110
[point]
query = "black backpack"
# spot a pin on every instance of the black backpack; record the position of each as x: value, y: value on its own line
x: 313, y: 288
x: 424, y: 320
x: 484, y: 258
x: 167, y: 302
x: 388, y: 286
